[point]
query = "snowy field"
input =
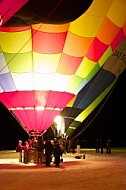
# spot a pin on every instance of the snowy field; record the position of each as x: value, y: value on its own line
x: 96, y: 171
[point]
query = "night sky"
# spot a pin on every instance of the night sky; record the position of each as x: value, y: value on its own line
x: 110, y: 122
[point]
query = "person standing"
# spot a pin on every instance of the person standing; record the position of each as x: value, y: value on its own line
x: 19, y: 149
x: 40, y: 148
x: 48, y: 152
x: 108, y: 146
x: 101, y: 145
x: 73, y: 146
x: 97, y: 145
x: 26, y: 149
x: 57, y: 153
x: 69, y: 146
x: 30, y: 143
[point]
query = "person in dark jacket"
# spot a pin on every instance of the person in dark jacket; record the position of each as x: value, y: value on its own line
x: 40, y: 148
x: 48, y: 152
x: 57, y: 153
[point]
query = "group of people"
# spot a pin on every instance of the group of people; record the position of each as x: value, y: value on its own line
x: 25, y: 149
x: 53, y: 149
x: 99, y: 146
x: 48, y: 148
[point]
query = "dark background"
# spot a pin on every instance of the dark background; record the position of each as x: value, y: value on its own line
x: 107, y: 122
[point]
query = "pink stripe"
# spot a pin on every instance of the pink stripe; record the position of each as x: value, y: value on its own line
x: 9, y: 8
x: 35, y: 98
x: 117, y: 39
x: 36, y: 120
x: 96, y: 50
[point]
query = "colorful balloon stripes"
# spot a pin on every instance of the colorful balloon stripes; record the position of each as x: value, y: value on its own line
x: 67, y: 69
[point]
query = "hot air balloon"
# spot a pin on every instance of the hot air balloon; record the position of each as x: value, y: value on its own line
x: 53, y: 63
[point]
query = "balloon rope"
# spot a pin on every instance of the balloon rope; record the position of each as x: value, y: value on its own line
x: 54, y: 9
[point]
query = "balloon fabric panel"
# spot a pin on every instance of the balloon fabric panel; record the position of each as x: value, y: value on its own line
x: 68, y: 64
x: 76, y: 45
x: 48, y: 42
x: 107, y: 26
x: 96, y: 50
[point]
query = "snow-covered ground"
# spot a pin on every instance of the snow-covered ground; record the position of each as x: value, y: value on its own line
x: 96, y: 171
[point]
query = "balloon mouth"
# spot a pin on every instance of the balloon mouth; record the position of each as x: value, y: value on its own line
x: 35, y: 133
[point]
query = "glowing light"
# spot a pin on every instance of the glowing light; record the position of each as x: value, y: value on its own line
x: 60, y: 124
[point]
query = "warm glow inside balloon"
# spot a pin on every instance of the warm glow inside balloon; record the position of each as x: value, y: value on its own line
x: 44, y: 67
x: 60, y: 124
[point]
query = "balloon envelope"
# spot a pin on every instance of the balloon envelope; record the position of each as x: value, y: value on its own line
x: 67, y: 68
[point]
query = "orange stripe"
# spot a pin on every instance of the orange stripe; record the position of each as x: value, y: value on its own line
x: 107, y: 32
x: 77, y: 45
